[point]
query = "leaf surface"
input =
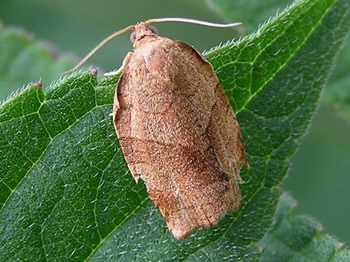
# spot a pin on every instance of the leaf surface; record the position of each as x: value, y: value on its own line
x: 66, y: 192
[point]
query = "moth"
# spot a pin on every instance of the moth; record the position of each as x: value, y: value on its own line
x: 177, y: 129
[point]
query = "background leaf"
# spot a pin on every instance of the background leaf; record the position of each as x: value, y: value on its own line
x: 18, y: 51
x: 338, y: 89
x: 299, y: 238
x: 74, y: 198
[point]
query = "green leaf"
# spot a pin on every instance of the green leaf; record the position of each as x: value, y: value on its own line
x: 299, y: 238
x: 17, y: 67
x: 66, y: 193
x: 253, y: 13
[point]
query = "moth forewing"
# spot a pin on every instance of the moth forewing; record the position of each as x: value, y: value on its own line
x: 179, y: 133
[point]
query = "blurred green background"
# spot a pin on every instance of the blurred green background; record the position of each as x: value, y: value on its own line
x: 319, y: 178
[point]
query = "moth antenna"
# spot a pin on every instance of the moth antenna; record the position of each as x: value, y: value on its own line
x: 149, y: 21
x: 101, y: 44
x: 191, y: 21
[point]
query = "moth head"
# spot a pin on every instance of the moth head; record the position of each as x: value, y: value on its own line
x: 141, y: 30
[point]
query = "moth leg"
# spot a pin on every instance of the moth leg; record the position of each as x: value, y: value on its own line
x: 120, y: 69
x: 116, y: 104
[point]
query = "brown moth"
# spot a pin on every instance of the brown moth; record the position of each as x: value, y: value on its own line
x: 177, y: 130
